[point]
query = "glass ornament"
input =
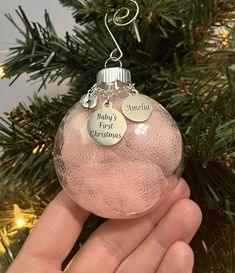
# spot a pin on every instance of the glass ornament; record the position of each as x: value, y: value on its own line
x: 126, y: 179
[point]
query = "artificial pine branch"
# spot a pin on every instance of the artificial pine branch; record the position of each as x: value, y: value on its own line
x: 88, y: 11
x: 214, y: 244
x: 27, y: 139
x: 43, y: 54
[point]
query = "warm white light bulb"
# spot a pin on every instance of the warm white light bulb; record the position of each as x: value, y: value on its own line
x: 2, y: 73
x: 19, y: 217
x: 20, y: 223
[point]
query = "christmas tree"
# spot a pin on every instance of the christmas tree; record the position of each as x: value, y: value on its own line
x: 185, y: 61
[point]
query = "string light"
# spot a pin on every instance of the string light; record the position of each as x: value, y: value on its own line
x: 2, y: 73
x: 19, y: 217
x: 218, y: 23
x: 220, y: 37
x: 224, y: 35
x: 20, y: 223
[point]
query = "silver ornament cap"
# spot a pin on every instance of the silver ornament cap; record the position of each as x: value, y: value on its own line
x: 112, y: 74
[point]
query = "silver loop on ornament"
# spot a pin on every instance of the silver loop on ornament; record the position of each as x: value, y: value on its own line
x: 114, y: 59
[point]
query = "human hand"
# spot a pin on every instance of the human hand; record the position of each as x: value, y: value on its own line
x: 154, y: 243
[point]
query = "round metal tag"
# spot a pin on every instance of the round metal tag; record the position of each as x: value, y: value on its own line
x: 137, y: 107
x: 106, y: 126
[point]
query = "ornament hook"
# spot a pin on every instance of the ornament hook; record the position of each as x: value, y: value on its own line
x: 120, y: 15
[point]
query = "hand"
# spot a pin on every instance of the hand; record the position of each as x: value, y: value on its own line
x: 157, y: 242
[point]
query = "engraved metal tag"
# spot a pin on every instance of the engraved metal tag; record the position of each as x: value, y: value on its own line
x: 106, y: 126
x: 88, y: 101
x: 137, y: 107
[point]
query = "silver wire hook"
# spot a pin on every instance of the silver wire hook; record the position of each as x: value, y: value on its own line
x: 117, y: 20
x: 115, y: 59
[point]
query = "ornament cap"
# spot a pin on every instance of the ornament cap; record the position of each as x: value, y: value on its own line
x: 113, y: 74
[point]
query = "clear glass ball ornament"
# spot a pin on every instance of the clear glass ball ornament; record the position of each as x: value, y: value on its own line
x: 125, y: 180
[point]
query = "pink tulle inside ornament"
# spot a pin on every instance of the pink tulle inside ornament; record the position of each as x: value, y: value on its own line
x: 125, y: 180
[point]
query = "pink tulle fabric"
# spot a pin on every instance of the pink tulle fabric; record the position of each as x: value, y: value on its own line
x: 125, y: 180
